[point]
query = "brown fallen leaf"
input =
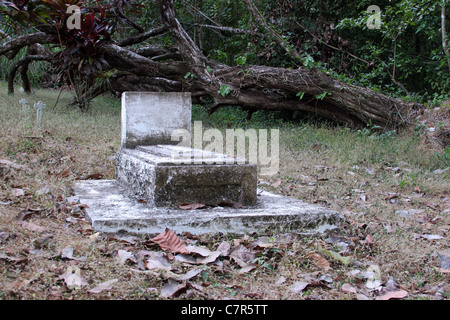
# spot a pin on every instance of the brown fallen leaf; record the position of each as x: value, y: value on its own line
x: 95, y: 176
x: 243, y: 256
x: 124, y: 255
x: 32, y: 227
x: 299, y: 286
x: 24, y: 214
x: 277, y: 183
x: 16, y: 192
x: 157, y: 261
x: 247, y: 268
x: 168, y: 240
x: 64, y: 173
x: 369, y: 239
x: 173, y: 288
x: 209, y: 259
x: 319, y: 261
x: 393, y: 295
x: 191, y: 206
x: 224, y: 248
x: 348, y: 288
x: 188, y: 275
x: 199, y: 250
x: 104, y: 286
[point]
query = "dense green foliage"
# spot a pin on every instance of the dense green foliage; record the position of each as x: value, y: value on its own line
x: 403, y: 58
x: 334, y: 34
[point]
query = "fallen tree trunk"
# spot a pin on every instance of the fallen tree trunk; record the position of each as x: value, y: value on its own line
x: 269, y: 88
x: 251, y: 87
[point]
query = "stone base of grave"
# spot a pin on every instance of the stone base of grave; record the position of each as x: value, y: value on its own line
x: 110, y: 210
x: 166, y: 175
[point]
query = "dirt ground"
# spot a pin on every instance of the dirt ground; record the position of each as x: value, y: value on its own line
x: 393, y: 241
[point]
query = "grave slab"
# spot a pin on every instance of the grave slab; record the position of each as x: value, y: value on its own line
x: 173, y: 175
x: 110, y: 210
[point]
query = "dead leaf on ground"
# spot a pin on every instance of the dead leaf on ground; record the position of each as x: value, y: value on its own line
x: 173, y: 288
x: 107, y: 285
x: 348, y: 288
x: 168, y: 240
x: 73, y: 279
x: 157, y: 261
x: 199, y: 250
x: 209, y: 259
x: 224, y: 248
x: 32, y: 227
x: 191, y: 206
x: 277, y: 183
x: 124, y: 255
x: 64, y: 173
x: 188, y: 275
x: 95, y: 176
x: 369, y: 239
x: 243, y: 256
x: 26, y: 214
x: 247, y: 268
x: 67, y: 253
x: 16, y: 192
x: 319, y: 261
x: 393, y: 295
x: 298, y: 286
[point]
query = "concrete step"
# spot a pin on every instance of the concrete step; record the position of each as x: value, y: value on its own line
x: 111, y: 211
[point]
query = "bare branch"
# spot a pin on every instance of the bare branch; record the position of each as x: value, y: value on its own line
x: 23, y: 63
x: 228, y: 29
x: 142, y: 36
x: 23, y: 41
x: 444, y: 34
x: 278, y: 38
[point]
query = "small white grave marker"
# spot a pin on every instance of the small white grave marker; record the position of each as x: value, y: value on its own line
x: 24, y: 103
x: 39, y: 106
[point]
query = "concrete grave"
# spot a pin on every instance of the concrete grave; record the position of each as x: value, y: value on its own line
x: 149, y: 118
x: 153, y: 177
x: 151, y: 173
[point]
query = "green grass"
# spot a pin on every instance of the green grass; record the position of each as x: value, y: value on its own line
x: 340, y: 144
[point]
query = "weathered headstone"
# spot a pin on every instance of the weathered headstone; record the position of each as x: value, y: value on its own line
x: 149, y: 118
x: 39, y: 106
x: 24, y: 103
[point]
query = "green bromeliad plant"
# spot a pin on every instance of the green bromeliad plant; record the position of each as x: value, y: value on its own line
x: 77, y: 51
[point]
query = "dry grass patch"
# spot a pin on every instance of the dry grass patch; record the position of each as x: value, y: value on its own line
x: 391, y: 189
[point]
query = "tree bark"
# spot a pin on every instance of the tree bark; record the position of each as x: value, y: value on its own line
x: 252, y: 87
x: 444, y: 33
x: 269, y: 88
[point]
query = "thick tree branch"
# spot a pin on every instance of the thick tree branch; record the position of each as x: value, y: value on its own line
x: 228, y: 29
x: 23, y: 63
x: 142, y: 36
x: 188, y: 49
x: 23, y: 41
